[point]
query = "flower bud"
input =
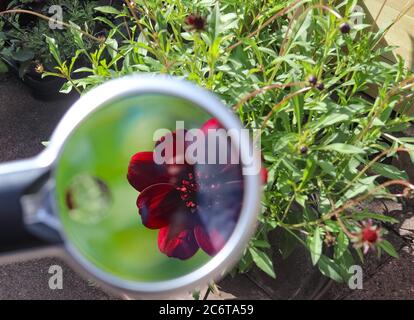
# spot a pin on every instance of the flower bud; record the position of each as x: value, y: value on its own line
x: 345, y: 28
x: 320, y: 86
x: 312, y: 80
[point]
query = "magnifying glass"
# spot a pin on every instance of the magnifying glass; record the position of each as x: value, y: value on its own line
x: 147, y: 183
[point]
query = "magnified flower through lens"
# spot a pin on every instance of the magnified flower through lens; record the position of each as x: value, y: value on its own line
x: 193, y: 205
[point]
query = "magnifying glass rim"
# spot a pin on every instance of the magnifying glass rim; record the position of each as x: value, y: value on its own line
x: 125, y: 87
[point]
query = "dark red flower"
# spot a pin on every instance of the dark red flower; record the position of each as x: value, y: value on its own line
x: 369, y: 235
x: 193, y: 206
x: 196, y: 22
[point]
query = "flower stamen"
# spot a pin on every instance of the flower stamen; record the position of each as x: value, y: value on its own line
x: 188, y: 189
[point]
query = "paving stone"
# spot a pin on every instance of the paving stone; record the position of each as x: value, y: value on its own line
x: 30, y: 280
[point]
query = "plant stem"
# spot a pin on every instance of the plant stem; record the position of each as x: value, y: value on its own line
x: 264, y: 89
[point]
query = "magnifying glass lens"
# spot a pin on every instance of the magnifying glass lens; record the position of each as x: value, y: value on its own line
x: 149, y: 188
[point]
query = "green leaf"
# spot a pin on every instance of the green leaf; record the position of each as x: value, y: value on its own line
x: 23, y: 55
x: 54, y: 50
x: 342, y: 243
x: 263, y: 261
x: 332, y: 119
x: 388, y: 248
x: 329, y: 268
x: 359, y: 187
x: 315, y: 245
x: 215, y: 21
x: 107, y: 9
x: 376, y: 216
x: 327, y: 167
x: 343, y: 148
x: 112, y: 47
x: 389, y: 171
x: 77, y: 35
x: 261, y: 244
x: 66, y: 88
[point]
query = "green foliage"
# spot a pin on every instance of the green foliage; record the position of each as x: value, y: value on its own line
x: 24, y: 40
x: 318, y: 144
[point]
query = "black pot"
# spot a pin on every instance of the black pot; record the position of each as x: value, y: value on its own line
x: 46, y: 89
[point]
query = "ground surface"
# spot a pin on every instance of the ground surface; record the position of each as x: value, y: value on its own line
x: 26, y: 122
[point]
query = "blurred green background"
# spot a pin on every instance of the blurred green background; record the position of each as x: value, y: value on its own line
x: 101, y: 147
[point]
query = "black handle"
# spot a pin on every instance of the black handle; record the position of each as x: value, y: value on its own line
x: 17, y: 179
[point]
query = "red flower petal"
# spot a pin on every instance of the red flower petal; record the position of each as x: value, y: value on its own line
x: 211, y: 242
x: 264, y: 175
x: 158, y: 204
x: 144, y: 172
x: 177, y: 241
x: 213, y: 123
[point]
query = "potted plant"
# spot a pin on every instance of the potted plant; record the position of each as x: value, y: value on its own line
x: 24, y: 41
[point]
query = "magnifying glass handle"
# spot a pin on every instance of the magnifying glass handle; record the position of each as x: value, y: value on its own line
x: 17, y: 179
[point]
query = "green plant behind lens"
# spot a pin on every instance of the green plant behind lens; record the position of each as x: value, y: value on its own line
x: 96, y: 203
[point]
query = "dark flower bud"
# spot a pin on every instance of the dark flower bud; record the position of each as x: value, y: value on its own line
x: 320, y: 86
x: 304, y: 150
x: 345, y: 28
x: 312, y: 80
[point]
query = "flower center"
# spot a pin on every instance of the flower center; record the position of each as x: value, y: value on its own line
x: 369, y: 235
x: 188, y: 190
